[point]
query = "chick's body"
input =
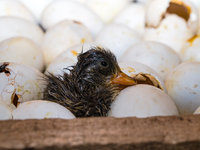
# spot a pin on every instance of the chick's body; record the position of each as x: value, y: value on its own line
x: 90, y: 87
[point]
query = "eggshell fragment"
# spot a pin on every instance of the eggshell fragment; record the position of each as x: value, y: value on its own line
x: 158, y: 56
x: 20, y: 83
x: 143, y: 72
x: 171, y: 22
x: 60, y: 10
x: 5, y: 111
x: 107, y: 10
x: 22, y: 50
x: 142, y: 101
x: 39, y: 109
x: 62, y: 36
x: 183, y: 86
x: 190, y: 50
x: 16, y: 27
x: 68, y: 58
x: 16, y: 9
x: 132, y: 16
x: 118, y: 38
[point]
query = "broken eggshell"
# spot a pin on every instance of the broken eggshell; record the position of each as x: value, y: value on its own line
x: 16, y: 9
x: 17, y: 27
x: 142, y: 74
x: 132, y: 16
x: 142, y: 101
x: 118, y: 38
x: 22, y: 50
x: 68, y: 58
x: 107, y: 10
x: 190, y: 50
x: 20, y: 83
x: 158, y: 56
x: 171, y: 22
x: 5, y: 111
x: 67, y: 33
x: 41, y: 109
x: 60, y: 10
x: 183, y: 86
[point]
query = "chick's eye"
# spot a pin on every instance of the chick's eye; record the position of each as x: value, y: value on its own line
x: 103, y: 63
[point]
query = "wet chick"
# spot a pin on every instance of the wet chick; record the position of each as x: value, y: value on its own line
x: 91, y: 86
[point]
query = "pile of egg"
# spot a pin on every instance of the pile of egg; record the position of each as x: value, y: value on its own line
x: 158, y: 40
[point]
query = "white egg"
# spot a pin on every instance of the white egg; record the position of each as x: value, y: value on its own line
x: 22, y: 50
x: 118, y: 38
x: 68, y: 58
x: 5, y: 111
x: 134, y: 17
x: 40, y: 109
x: 62, y: 36
x: 171, y: 22
x: 158, y: 56
x: 20, y: 83
x: 142, y: 101
x: 107, y: 10
x: 60, y: 10
x: 197, y: 111
x: 190, y: 50
x: 16, y: 9
x: 183, y: 86
x: 36, y: 6
x: 143, y: 74
x: 16, y: 27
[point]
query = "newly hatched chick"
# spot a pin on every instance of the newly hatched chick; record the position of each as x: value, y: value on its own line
x: 91, y: 86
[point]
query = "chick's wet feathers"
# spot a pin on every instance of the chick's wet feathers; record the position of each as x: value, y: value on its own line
x: 87, y: 90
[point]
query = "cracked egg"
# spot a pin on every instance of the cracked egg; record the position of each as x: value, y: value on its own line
x: 142, y: 101
x: 62, y: 36
x: 5, y: 111
x: 19, y: 83
x: 61, y: 10
x: 142, y: 74
x: 171, y: 22
x: 41, y: 109
x: 183, y: 86
x: 22, y: 50
x: 158, y: 56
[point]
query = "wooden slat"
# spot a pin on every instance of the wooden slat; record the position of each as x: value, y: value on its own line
x: 155, y: 133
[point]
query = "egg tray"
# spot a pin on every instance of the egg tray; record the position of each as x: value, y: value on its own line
x: 153, y: 133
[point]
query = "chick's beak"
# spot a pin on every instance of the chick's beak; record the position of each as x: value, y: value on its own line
x: 123, y: 79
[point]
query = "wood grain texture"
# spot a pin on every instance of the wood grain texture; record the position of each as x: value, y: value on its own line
x: 154, y: 133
